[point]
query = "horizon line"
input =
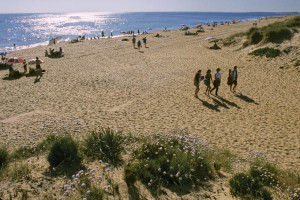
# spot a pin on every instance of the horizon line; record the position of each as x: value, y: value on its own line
x: 295, y: 12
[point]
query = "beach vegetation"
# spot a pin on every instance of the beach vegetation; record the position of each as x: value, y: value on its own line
x: 254, y: 36
x: 95, y: 194
x: 297, y: 63
x: 263, y: 179
x: 34, y: 150
x: 20, y: 171
x: 276, y: 33
x: 177, y: 161
x: 268, y: 52
x: 4, y: 156
x: 231, y: 39
x: 105, y: 144
x: 64, y: 156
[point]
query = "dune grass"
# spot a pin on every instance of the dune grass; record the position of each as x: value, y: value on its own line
x: 276, y: 33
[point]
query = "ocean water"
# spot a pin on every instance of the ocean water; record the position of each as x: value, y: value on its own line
x: 30, y: 30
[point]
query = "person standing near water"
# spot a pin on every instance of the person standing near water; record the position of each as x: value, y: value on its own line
x: 234, y: 77
x: 217, y: 81
x: 197, y: 80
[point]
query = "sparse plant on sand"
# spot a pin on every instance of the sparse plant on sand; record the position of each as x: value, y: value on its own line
x: 3, y: 158
x: 268, y: 52
x: 105, y: 144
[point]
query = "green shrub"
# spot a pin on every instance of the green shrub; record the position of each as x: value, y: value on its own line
x: 176, y: 161
x: 3, y: 158
x: 255, y: 37
x: 64, y: 156
x: 297, y: 63
x: 246, y: 187
x: 105, y: 144
x: 264, y: 172
x: 95, y: 194
x: 277, y: 35
x: 268, y: 52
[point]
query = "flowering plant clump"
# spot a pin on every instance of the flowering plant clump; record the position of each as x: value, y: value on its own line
x: 91, y: 183
x: 175, y: 160
x: 264, y: 176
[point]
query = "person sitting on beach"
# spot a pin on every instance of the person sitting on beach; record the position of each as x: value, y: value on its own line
x: 215, y: 46
x: 38, y: 69
x: 207, y: 81
x: 11, y: 71
x: 60, y: 51
x: 25, y: 66
x: 197, y: 80
x: 139, y: 44
x: 217, y: 81
x: 3, y: 58
x: 46, y: 53
x: 157, y: 35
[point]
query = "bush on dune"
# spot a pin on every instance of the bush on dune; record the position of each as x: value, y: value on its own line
x: 268, y: 52
x: 3, y: 158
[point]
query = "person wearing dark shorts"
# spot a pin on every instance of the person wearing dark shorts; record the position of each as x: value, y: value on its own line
x: 234, y: 77
x: 217, y: 81
x: 25, y: 66
x: 145, y: 41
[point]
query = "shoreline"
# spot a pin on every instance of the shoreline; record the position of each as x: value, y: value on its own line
x: 68, y: 39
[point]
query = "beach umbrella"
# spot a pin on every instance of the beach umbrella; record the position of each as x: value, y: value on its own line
x: 15, y: 60
x: 210, y: 38
x: 182, y: 25
x: 33, y: 61
x: 199, y: 26
x: 4, y: 52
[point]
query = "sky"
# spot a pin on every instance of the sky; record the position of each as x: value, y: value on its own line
x: 50, y: 6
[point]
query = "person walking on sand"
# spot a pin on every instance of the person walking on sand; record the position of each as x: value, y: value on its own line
x: 207, y: 81
x: 230, y: 80
x: 139, y: 44
x: 234, y: 77
x: 197, y: 80
x: 145, y: 41
x: 133, y: 41
x: 102, y: 34
x: 38, y: 69
x: 217, y: 81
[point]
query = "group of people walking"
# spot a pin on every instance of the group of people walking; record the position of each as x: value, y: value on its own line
x: 208, y: 79
x: 139, y: 43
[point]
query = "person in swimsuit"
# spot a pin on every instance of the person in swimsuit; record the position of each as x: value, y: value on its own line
x: 197, y: 80
x: 207, y: 81
x: 139, y: 44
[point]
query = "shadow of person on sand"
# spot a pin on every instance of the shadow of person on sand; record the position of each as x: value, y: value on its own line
x: 245, y: 98
x: 37, y: 80
x: 209, y: 105
x: 228, y: 102
x: 219, y: 103
x: 11, y: 78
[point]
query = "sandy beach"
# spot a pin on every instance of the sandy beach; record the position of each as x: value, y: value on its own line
x: 108, y: 83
